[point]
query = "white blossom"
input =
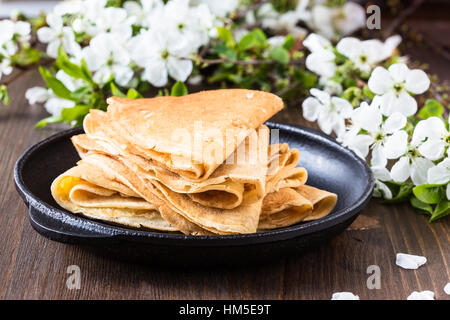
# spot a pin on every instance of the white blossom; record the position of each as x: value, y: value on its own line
x: 385, y: 137
x: 381, y: 174
x: 322, y: 63
x: 162, y: 55
x: 315, y: 42
x: 5, y: 67
x: 56, y: 35
x: 427, y: 143
x: 440, y: 174
x: 37, y: 95
x: 11, y: 33
x: 413, y: 166
x: 144, y: 11
x: 321, y: 59
x: 220, y: 8
x: 113, y: 20
x: 431, y: 137
x: 331, y: 22
x: 108, y: 58
x: 52, y: 103
x: 287, y: 22
x: 330, y: 112
x: 396, y: 85
x: 366, y: 54
x: 11, y: 29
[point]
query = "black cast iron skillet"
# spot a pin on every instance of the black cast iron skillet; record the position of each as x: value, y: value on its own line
x: 330, y: 166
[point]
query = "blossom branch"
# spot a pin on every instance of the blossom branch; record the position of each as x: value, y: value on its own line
x: 240, y: 62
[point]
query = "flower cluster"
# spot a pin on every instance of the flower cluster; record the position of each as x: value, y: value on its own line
x: 135, y: 42
x: 13, y: 33
x: 351, y: 57
x: 13, y: 36
x: 383, y: 127
x: 323, y: 17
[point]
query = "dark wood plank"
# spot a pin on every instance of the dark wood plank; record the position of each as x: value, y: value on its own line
x: 32, y: 267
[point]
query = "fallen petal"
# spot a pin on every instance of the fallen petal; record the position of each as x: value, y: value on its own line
x: 344, y: 296
x: 421, y: 295
x: 447, y: 288
x: 410, y: 261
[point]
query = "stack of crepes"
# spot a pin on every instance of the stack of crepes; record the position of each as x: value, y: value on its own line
x: 200, y: 164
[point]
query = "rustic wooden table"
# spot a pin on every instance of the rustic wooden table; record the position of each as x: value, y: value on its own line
x: 33, y: 267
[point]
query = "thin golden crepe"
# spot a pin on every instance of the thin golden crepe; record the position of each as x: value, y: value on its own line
x: 81, y: 189
x: 242, y: 219
x: 223, y: 189
x: 194, y: 134
x: 117, y: 203
x: 283, y: 208
x: 291, y: 205
x: 323, y: 201
x: 173, y: 207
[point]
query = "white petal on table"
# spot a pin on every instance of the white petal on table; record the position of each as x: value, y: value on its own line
x: 447, y: 288
x: 344, y: 296
x: 421, y: 295
x: 410, y: 261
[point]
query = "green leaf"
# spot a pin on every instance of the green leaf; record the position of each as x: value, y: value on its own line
x: 44, y: 122
x: 226, y: 36
x: 116, y: 91
x: 307, y: 79
x: 289, y: 42
x: 225, y: 51
x: 366, y: 91
x: 432, y: 108
x: 73, y: 70
x: 26, y: 56
x: 81, y: 93
x: 260, y: 36
x: 179, y: 89
x: 423, y: 207
x: 248, y: 41
x: 428, y: 193
x: 4, y: 96
x: 349, y: 82
x: 57, y: 86
x: 133, y: 94
x: 86, y: 71
x: 403, y: 193
x: 280, y: 54
x: 441, y: 210
x: 75, y: 113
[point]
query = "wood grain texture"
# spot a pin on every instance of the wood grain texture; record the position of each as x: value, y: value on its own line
x: 33, y: 267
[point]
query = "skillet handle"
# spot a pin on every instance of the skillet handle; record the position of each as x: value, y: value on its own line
x: 68, y: 228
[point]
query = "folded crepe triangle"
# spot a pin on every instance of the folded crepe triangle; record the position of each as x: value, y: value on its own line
x: 191, y: 135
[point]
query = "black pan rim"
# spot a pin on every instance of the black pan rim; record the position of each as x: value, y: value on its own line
x: 285, y: 233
